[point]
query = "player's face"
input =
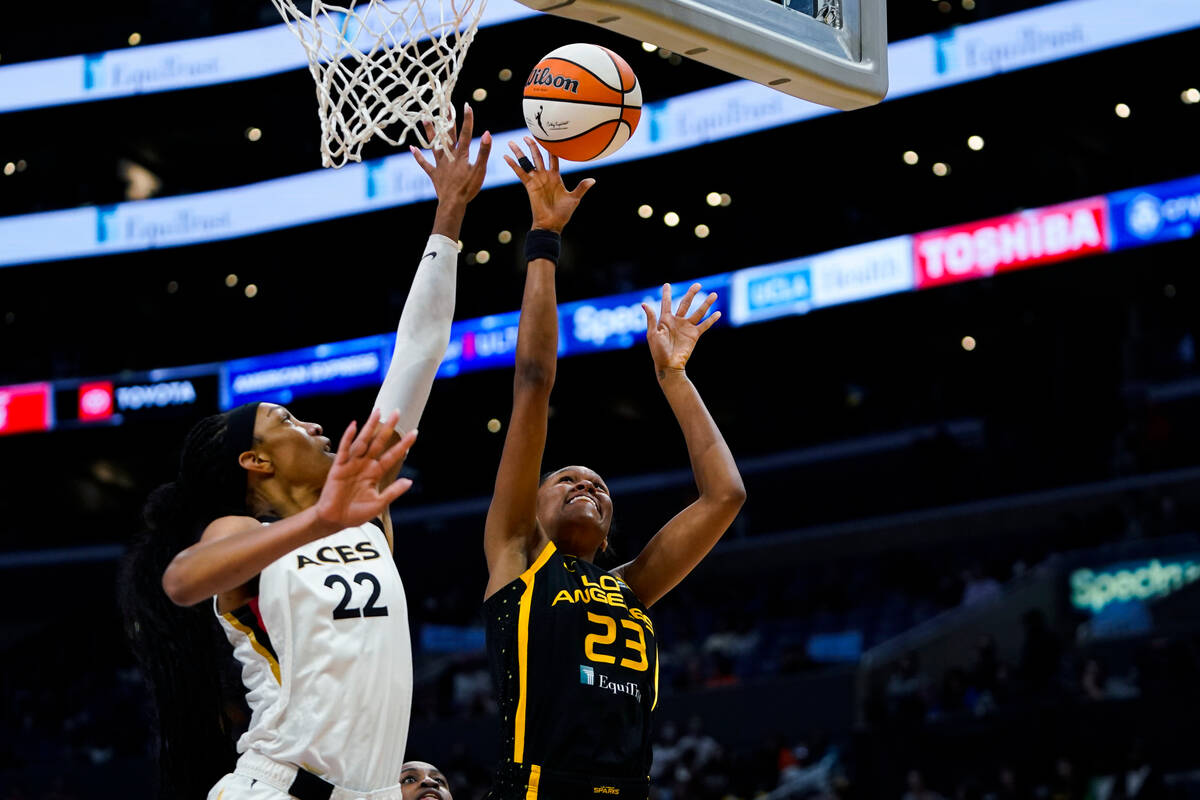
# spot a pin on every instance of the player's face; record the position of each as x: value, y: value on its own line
x: 574, y: 502
x: 298, y: 451
x: 418, y: 780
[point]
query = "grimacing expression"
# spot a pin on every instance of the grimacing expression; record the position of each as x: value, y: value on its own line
x: 575, y: 499
x: 297, y: 450
x: 421, y: 780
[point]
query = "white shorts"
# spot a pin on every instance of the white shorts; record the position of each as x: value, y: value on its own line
x: 257, y: 777
x: 239, y: 787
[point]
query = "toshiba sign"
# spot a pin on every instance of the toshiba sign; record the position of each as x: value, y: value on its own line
x: 1040, y: 236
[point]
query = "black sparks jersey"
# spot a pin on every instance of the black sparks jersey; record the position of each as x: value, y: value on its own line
x: 575, y: 666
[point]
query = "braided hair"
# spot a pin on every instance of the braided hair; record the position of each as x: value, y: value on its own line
x: 182, y: 651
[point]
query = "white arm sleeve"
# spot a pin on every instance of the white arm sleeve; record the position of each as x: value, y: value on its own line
x: 422, y: 335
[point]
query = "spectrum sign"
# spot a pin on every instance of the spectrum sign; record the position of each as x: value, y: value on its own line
x: 1094, y: 589
x: 1016, y: 241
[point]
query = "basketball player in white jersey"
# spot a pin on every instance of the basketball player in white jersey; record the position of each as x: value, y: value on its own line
x: 290, y: 544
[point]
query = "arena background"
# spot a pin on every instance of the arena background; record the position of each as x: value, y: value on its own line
x: 965, y: 566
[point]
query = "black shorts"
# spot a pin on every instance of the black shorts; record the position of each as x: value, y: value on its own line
x: 552, y: 785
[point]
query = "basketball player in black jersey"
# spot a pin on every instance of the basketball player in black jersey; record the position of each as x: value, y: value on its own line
x: 572, y: 646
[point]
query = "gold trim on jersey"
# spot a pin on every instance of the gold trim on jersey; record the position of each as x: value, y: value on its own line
x: 523, y: 649
x: 535, y: 777
x: 654, y: 705
x: 258, y: 648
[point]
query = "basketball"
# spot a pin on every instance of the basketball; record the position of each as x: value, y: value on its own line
x: 582, y: 102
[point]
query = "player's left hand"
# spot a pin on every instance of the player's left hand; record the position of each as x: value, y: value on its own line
x: 455, y: 179
x: 673, y: 335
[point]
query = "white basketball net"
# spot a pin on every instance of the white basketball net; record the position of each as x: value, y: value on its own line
x: 378, y: 64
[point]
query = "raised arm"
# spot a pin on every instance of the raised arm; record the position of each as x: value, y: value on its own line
x: 680, y: 545
x: 511, y: 532
x: 424, y: 328
x: 233, y: 550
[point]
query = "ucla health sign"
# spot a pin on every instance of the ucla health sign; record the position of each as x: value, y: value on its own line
x: 1157, y: 213
x: 840, y: 276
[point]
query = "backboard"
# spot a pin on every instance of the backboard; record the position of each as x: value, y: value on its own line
x: 835, y: 54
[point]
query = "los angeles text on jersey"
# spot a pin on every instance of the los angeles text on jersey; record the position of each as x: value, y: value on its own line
x: 607, y: 591
x: 339, y: 554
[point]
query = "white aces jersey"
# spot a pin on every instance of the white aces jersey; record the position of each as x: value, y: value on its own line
x: 327, y: 660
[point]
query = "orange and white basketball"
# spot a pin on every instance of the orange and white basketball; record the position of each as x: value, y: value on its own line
x: 582, y: 101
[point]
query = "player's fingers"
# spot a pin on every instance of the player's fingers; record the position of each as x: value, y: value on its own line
x: 665, y: 310
x: 399, y: 451
x: 650, y: 320
x: 553, y: 162
x: 516, y: 168
x: 536, y: 152
x: 703, y: 309
x: 485, y: 150
x: 583, y: 187
x: 438, y: 145
x: 343, y: 451
x: 467, y: 131
x: 395, y: 490
x: 383, y: 435
x: 517, y: 152
x: 686, y: 303
x: 708, y: 323
x: 421, y: 162
x: 363, y: 442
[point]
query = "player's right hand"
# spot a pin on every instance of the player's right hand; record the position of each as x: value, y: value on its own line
x: 351, y: 494
x: 455, y: 179
x: 551, y: 203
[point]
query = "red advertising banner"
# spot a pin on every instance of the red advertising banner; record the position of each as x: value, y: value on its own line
x: 1016, y: 241
x: 25, y: 408
x: 96, y: 400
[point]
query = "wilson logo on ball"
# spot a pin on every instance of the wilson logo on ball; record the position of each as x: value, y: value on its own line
x: 544, y: 77
x: 582, y: 101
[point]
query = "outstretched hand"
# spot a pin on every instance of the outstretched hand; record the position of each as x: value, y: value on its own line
x: 551, y: 203
x: 455, y: 179
x: 673, y: 335
x: 351, y: 495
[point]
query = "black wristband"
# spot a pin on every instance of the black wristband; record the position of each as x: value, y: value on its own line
x: 540, y: 243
